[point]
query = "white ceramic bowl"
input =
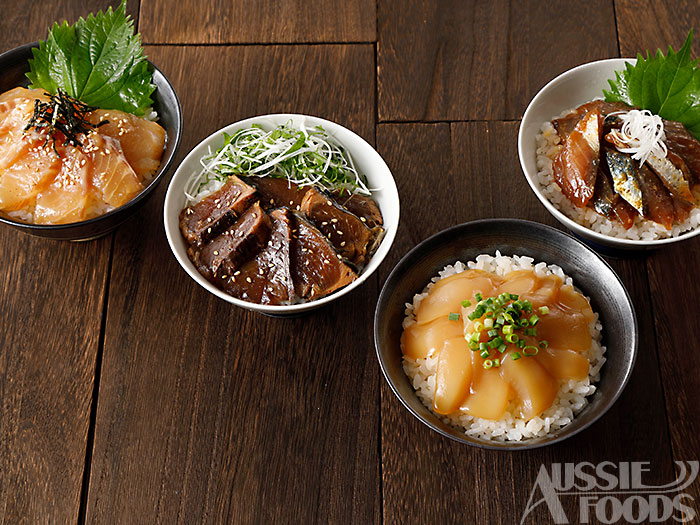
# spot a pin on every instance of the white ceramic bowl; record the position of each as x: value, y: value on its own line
x: 367, y: 161
x: 567, y: 91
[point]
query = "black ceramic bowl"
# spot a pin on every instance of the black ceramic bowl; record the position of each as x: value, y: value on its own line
x: 465, y: 242
x: 13, y: 66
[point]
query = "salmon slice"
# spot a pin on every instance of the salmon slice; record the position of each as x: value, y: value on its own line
x: 112, y: 175
x: 141, y: 140
x: 66, y: 199
x: 28, y: 174
x: 453, y: 377
x: 576, y: 166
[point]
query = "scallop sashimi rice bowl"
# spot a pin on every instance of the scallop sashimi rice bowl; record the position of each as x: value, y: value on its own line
x: 505, y: 349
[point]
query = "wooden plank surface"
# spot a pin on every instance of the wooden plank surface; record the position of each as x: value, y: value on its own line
x: 673, y: 284
x: 52, y: 296
x: 27, y: 21
x: 210, y: 413
x: 207, y: 413
x: 481, y: 60
x: 651, y: 25
x: 430, y: 478
x: 262, y: 21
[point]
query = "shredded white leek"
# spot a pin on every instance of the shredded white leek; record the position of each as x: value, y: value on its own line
x: 303, y: 156
x: 643, y: 133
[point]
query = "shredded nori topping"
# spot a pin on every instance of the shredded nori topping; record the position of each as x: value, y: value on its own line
x: 65, y: 114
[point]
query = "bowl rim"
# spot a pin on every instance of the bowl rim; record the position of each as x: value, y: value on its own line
x: 163, y: 168
x: 534, y: 185
x: 400, y: 268
x: 287, y: 309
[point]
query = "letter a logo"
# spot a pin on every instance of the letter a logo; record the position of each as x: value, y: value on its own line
x: 544, y: 482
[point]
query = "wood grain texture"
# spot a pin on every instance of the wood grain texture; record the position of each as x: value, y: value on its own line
x: 481, y: 60
x: 52, y: 303
x: 27, y: 21
x: 208, y: 413
x: 429, y: 478
x: 673, y: 286
x: 257, y: 22
x: 52, y: 296
x: 651, y: 25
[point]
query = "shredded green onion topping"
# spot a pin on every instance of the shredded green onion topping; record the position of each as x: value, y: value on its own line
x: 303, y: 156
x: 506, y: 319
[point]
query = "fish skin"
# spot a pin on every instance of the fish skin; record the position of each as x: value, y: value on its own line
x: 670, y: 171
x: 624, y: 173
x: 608, y: 203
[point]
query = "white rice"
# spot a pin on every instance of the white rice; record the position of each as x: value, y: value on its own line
x: 571, y: 398
x: 548, y: 146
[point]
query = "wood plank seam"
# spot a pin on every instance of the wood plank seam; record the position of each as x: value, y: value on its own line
x: 89, y: 445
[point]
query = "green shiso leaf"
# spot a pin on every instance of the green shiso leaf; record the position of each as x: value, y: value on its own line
x: 668, y: 86
x: 98, y: 60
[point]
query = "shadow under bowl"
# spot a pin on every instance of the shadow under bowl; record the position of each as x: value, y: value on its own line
x: 590, y: 274
x: 13, y: 65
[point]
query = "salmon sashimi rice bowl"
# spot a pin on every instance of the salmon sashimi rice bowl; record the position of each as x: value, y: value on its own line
x: 81, y: 140
x: 503, y: 348
x: 46, y: 181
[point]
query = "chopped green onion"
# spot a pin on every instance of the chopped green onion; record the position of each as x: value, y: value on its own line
x: 534, y: 350
x: 493, y: 333
x: 478, y: 296
x: 534, y: 320
x: 496, y: 363
x: 508, y: 329
x: 498, y: 340
x: 521, y: 343
x: 544, y: 343
x: 488, y: 323
x: 483, y: 347
x: 544, y: 310
x: 502, y: 347
x: 466, y: 303
x: 478, y: 326
x: 473, y: 346
x: 515, y: 356
x: 488, y: 364
x: 500, y: 320
x: 485, y: 354
x: 512, y: 338
x: 530, y: 331
x: 453, y: 316
x: 513, y: 297
x: 489, y: 313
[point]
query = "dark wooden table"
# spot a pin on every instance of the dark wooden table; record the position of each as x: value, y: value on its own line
x: 128, y: 394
